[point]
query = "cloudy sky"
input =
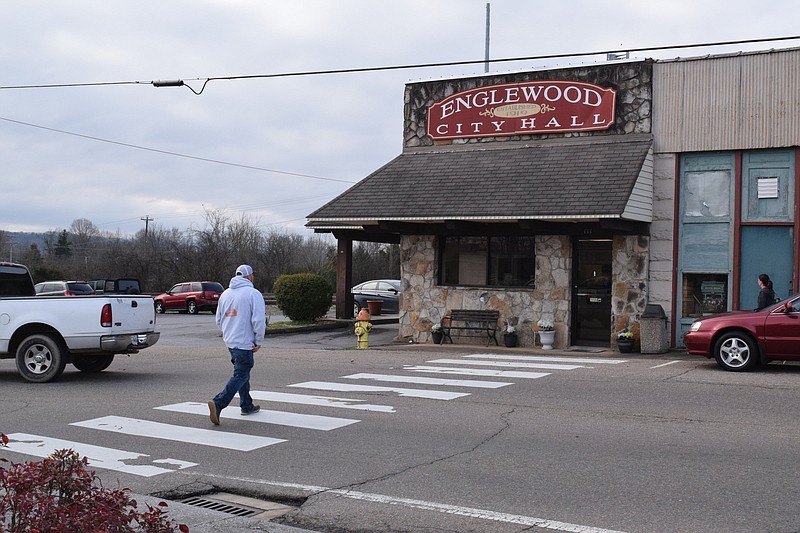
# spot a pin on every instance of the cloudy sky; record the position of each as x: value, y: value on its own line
x: 272, y: 148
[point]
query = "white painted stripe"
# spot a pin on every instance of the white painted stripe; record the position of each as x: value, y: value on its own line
x: 157, y: 430
x: 477, y: 372
x: 458, y: 510
x: 432, y: 381
x: 509, y: 364
x: 665, y: 364
x: 545, y: 358
x: 413, y: 393
x: 98, y: 456
x: 326, y: 401
x: 281, y: 418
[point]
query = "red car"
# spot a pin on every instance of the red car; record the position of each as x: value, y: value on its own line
x: 741, y: 340
x: 190, y: 297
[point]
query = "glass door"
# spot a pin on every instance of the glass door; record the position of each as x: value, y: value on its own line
x: 591, y: 293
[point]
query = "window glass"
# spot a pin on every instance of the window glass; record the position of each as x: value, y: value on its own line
x: 707, y: 194
x: 488, y: 261
x: 371, y: 286
x: 704, y: 294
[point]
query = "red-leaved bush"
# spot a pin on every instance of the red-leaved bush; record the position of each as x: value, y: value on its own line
x: 59, y: 495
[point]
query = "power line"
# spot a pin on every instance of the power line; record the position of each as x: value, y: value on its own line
x: 176, y: 83
x: 176, y: 154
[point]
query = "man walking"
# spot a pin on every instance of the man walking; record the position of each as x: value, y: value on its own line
x: 241, y: 315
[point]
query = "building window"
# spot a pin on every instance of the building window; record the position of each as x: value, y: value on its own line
x: 487, y: 261
x: 704, y: 294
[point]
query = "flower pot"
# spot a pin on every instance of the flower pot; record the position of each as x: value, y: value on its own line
x: 510, y: 339
x: 374, y: 307
x: 625, y: 345
x: 547, y: 338
x: 437, y: 337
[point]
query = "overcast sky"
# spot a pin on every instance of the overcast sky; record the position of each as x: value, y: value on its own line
x: 108, y: 153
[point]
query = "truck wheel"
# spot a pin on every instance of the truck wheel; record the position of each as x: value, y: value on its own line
x: 41, y: 358
x: 92, y: 363
x: 191, y: 307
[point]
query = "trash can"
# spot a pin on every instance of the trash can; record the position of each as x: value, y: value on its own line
x: 653, y: 329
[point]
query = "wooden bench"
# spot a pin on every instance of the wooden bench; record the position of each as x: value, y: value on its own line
x: 470, y: 320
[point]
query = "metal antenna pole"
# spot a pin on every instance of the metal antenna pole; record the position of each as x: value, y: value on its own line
x: 488, y: 9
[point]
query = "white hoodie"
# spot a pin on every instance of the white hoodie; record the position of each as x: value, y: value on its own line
x: 241, y: 315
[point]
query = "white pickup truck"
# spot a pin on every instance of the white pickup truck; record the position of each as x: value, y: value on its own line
x: 44, y: 333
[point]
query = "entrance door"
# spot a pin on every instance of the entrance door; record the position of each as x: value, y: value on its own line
x: 591, y: 293
x: 766, y: 250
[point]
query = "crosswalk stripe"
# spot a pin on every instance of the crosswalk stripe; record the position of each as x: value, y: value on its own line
x: 98, y: 456
x: 432, y: 381
x: 327, y: 401
x: 282, y: 418
x: 485, y: 372
x: 413, y: 393
x: 545, y: 358
x: 157, y: 430
x: 544, y: 366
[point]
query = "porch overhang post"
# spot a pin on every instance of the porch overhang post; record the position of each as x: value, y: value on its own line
x: 344, y: 278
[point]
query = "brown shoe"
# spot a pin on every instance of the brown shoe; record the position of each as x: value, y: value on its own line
x: 213, y: 412
x: 255, y: 409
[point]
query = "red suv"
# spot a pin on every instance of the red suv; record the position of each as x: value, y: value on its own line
x: 190, y: 297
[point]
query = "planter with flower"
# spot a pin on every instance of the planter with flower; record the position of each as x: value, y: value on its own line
x: 436, y: 333
x: 547, y: 333
x: 625, y: 341
x: 510, y: 335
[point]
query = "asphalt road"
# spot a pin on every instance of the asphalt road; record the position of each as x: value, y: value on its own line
x: 638, y: 444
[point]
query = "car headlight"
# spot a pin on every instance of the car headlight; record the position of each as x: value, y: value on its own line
x: 696, y: 325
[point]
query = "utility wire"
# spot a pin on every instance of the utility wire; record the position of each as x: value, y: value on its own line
x: 176, y: 154
x: 396, y: 67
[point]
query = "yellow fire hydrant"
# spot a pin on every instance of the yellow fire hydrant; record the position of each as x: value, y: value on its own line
x: 363, y: 325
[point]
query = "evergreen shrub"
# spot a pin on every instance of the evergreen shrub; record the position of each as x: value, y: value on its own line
x: 303, y: 297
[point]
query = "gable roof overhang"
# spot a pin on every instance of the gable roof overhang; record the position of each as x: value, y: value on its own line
x: 604, y: 181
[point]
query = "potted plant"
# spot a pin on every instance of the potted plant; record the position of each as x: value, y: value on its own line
x: 510, y: 335
x: 625, y: 341
x: 547, y: 333
x: 436, y: 333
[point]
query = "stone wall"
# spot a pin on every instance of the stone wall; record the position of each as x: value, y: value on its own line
x: 424, y: 303
x: 630, y: 266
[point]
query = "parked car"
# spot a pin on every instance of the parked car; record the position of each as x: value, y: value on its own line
x: 386, y: 290
x: 741, y: 340
x: 190, y: 297
x: 63, y: 288
x: 116, y: 286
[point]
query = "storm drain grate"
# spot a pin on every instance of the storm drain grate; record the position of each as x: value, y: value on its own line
x: 224, y: 507
x: 236, y: 505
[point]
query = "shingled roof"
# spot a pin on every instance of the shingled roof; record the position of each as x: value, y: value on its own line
x: 584, y: 178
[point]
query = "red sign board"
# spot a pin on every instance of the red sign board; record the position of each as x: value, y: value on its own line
x: 524, y: 108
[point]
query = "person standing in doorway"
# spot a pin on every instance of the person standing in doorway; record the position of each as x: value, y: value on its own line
x: 766, y: 296
x: 241, y: 315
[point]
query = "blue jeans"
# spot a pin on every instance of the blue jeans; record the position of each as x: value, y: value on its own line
x: 240, y: 381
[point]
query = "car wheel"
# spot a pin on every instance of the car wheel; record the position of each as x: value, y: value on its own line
x: 92, y: 363
x: 356, y: 309
x: 160, y: 308
x: 736, y: 351
x: 41, y: 358
x: 191, y: 307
